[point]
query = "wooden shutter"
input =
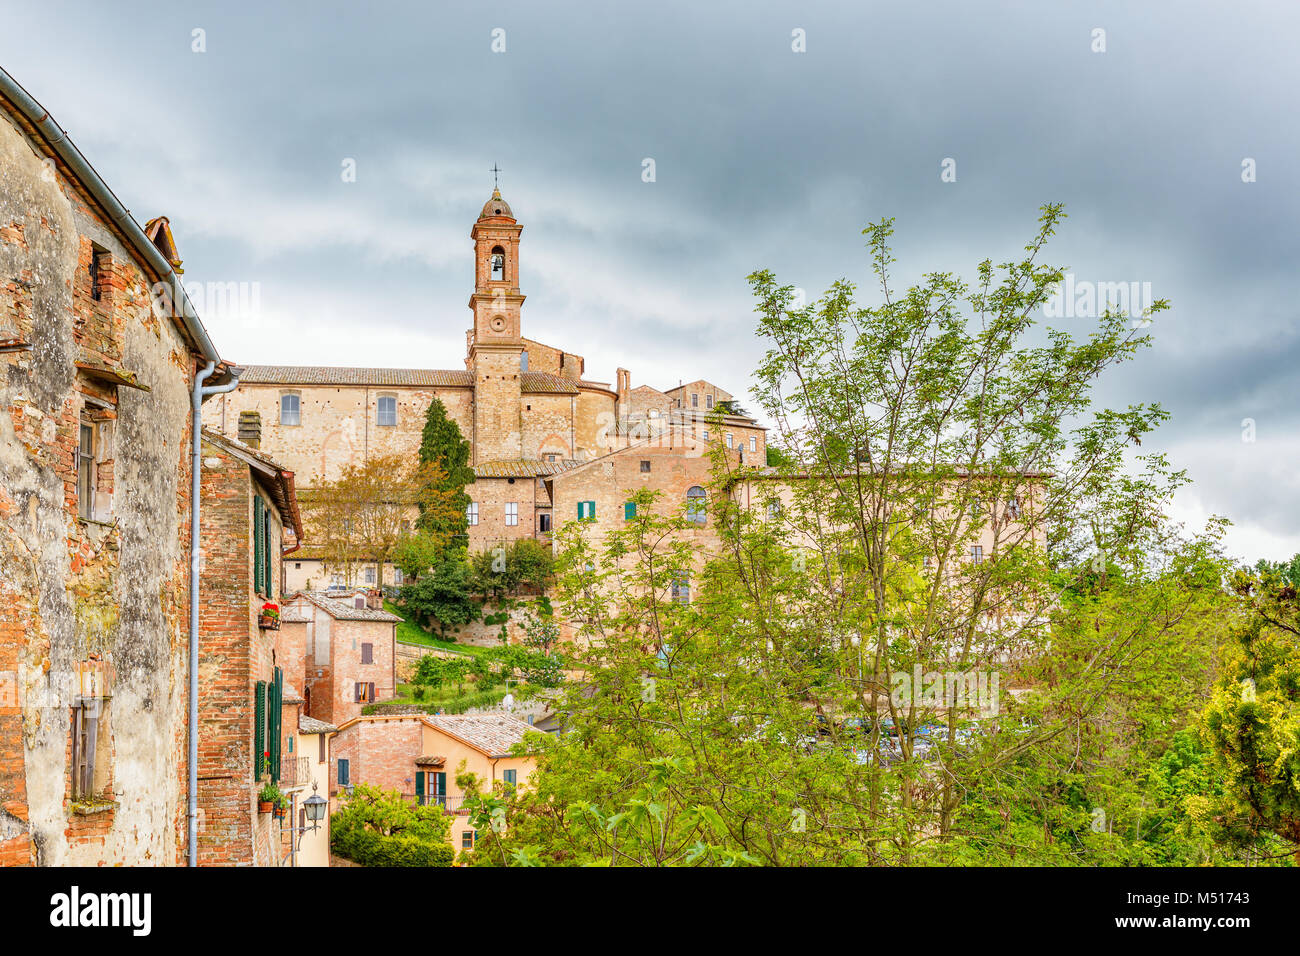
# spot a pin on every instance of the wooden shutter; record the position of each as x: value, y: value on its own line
x: 276, y: 711
x: 259, y: 544
x: 629, y: 510
x: 267, y: 564
x: 371, y: 694
x: 419, y: 787
x: 259, y: 728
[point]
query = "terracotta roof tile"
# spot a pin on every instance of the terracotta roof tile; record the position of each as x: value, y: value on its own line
x: 528, y: 468
x: 342, y: 375
x: 494, y: 734
x: 535, y: 382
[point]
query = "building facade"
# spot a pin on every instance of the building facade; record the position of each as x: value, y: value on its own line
x: 95, y: 405
x: 528, y: 410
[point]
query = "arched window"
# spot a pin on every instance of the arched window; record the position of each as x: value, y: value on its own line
x: 498, y: 264
x: 696, y: 509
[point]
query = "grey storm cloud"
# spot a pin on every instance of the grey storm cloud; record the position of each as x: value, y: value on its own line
x: 765, y: 158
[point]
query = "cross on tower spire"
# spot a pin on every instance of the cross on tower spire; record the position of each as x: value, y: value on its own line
x: 496, y: 170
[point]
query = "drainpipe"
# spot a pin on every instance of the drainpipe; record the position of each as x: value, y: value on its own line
x: 199, y: 393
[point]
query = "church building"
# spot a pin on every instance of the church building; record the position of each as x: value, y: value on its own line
x: 528, y: 409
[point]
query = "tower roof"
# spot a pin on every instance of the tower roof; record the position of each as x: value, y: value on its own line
x: 496, y: 206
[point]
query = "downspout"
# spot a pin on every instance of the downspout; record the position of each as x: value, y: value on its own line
x: 197, y: 395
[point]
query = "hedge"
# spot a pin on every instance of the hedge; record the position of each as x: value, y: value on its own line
x: 368, y: 848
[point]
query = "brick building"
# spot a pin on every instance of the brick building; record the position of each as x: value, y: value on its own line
x: 250, y: 518
x: 348, y: 654
x: 527, y: 409
x: 100, y: 348
x: 420, y: 755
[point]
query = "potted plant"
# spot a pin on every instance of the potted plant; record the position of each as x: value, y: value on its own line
x: 281, y: 807
x: 269, y: 617
x: 269, y: 796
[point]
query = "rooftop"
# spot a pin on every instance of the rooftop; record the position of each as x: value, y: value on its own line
x: 343, y: 611
x: 349, y: 375
x: 494, y: 734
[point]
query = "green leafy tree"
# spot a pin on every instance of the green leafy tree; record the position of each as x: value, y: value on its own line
x: 441, y: 597
x: 377, y: 827
x: 1253, y: 720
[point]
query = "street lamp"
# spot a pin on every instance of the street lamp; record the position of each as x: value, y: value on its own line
x: 315, y: 805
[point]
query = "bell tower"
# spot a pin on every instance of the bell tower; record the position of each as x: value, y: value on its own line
x: 496, y: 301
x: 495, y: 346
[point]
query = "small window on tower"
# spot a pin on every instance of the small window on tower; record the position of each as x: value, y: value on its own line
x: 523, y: 366
x: 498, y: 264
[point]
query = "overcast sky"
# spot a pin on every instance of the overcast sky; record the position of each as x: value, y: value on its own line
x: 763, y: 157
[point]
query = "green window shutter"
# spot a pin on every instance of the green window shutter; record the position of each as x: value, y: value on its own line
x: 259, y: 728
x: 629, y: 510
x: 276, y: 698
x: 267, y: 564
x: 591, y: 509
x: 582, y: 508
x: 419, y: 787
x: 259, y: 535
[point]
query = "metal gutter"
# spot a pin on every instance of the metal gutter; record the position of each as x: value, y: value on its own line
x: 63, y: 147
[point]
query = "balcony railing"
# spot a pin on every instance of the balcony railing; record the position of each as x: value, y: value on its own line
x: 294, y: 771
x: 452, y: 804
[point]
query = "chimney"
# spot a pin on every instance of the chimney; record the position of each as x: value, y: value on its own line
x: 624, y: 388
x: 250, y: 429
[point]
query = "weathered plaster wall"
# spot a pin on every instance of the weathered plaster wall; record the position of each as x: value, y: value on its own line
x: 69, y: 587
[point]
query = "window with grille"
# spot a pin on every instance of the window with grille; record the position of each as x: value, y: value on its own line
x: 681, y: 592
x: 977, y: 554
x: 471, y: 513
x: 696, y: 505
x: 387, y: 410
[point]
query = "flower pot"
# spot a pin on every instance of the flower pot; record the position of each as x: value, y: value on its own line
x: 280, y: 812
x: 264, y: 806
x: 268, y: 623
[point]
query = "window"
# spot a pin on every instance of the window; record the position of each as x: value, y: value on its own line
x: 99, y: 268
x: 498, y: 264
x: 523, y: 365
x: 729, y: 445
x: 263, y: 556
x: 774, y: 510
x: 706, y: 434
x: 708, y: 401
x: 695, y: 400
x: 359, y: 603
x: 645, y: 467
x: 344, y: 778
x: 86, y: 472
x: 398, y: 577
x: 753, y: 443
x: 1013, y: 508
x: 586, y: 509
x: 682, y: 590
x: 510, y: 778
x: 387, y: 410
x: 544, y: 521
x: 552, y: 457
x: 290, y: 410
x: 370, y: 575
x: 365, y: 692
x: 367, y: 653
x: 695, y: 505
x: 512, y: 513
x: 629, y: 510
x: 471, y: 513
x: 977, y: 554
x: 320, y: 746
x: 467, y: 840
x: 438, y: 788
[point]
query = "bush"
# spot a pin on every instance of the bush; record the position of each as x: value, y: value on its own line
x: 378, y: 828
